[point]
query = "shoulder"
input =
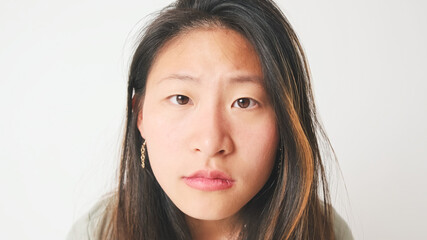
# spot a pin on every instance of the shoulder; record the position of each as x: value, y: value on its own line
x: 88, y: 226
x: 341, y: 228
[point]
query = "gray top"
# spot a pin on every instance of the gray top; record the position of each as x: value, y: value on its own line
x: 87, y: 226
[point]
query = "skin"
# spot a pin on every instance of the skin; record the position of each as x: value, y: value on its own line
x: 206, y: 128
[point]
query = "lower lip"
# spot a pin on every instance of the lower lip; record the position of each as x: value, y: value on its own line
x: 209, y: 184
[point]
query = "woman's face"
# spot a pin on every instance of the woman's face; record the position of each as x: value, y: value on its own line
x: 210, y: 129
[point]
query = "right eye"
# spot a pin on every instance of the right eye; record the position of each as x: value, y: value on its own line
x: 179, y: 99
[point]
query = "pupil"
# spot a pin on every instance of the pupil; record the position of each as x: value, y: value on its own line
x: 243, y: 102
x: 182, y: 99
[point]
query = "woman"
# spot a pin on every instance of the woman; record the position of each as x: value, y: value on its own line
x: 222, y: 139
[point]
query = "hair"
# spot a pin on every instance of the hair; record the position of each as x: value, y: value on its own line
x: 294, y: 203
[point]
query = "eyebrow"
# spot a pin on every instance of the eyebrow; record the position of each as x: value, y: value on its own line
x: 235, y: 79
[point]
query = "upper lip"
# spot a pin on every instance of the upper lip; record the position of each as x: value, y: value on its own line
x: 211, y: 174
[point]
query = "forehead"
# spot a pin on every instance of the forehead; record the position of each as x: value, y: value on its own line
x: 207, y: 52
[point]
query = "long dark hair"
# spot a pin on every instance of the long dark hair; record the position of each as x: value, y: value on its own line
x: 294, y: 203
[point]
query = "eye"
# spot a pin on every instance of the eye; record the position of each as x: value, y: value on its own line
x: 179, y: 99
x: 244, y: 103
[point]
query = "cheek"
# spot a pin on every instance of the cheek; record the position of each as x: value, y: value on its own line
x: 168, y: 153
x: 258, y: 146
x: 160, y: 129
x: 259, y: 138
x: 164, y: 145
x: 261, y: 158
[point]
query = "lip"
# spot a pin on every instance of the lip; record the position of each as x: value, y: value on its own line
x: 206, y: 180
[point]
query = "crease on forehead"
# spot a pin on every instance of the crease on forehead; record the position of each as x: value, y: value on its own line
x: 237, y: 79
x: 209, y: 25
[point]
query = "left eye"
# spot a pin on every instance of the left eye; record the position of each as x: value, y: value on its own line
x: 180, y: 99
x: 244, y: 103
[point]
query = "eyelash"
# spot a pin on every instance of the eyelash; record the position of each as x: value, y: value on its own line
x: 174, y: 99
x: 252, y: 103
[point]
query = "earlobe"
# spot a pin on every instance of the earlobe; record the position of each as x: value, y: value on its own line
x: 135, y: 107
x: 139, y: 124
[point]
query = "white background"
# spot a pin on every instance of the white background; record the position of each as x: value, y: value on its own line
x: 63, y: 68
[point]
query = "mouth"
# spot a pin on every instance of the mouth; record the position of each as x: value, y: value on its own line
x: 205, y: 180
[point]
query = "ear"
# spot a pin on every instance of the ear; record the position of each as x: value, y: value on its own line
x: 139, y: 116
x: 139, y: 124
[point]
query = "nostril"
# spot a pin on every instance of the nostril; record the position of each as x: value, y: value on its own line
x: 221, y: 152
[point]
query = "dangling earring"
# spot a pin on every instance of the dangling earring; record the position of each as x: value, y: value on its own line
x: 143, y: 155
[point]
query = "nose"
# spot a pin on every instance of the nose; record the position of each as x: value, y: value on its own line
x: 211, y: 135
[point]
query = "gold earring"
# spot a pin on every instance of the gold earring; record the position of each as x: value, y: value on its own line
x: 143, y: 155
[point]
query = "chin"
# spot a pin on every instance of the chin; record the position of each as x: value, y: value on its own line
x: 212, y: 213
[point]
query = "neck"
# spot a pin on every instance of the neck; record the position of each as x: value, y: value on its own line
x: 225, y: 229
